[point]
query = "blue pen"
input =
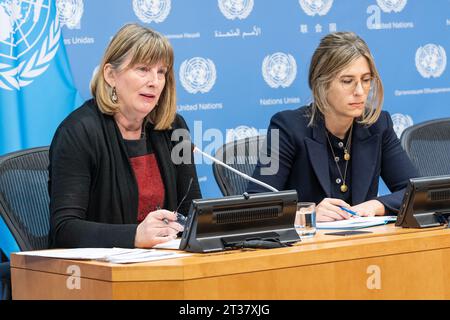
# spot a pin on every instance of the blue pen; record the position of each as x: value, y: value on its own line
x: 353, y: 213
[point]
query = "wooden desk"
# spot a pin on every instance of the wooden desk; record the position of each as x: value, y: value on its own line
x: 391, y: 263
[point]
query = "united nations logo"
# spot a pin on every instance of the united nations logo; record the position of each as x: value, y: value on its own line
x: 431, y: 60
x: 279, y: 69
x: 241, y: 132
x: 313, y: 7
x: 152, y: 10
x: 70, y: 12
x: 197, y: 75
x: 401, y: 122
x: 27, y: 43
x: 233, y: 9
x: 392, y: 5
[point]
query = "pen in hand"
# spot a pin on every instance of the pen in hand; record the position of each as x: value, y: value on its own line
x: 164, y: 219
x: 353, y: 213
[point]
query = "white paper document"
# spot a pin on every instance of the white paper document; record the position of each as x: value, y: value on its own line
x: 172, y: 244
x: 356, y: 223
x: 112, y: 255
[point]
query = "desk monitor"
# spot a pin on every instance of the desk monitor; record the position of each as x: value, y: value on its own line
x: 225, y: 223
x: 426, y: 202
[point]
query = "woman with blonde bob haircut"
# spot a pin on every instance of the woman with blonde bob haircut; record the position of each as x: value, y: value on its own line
x: 112, y: 181
x: 335, y: 52
x: 147, y: 47
x: 342, y: 143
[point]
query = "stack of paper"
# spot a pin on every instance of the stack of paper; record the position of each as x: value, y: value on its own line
x: 356, y: 223
x: 172, y: 244
x: 112, y: 255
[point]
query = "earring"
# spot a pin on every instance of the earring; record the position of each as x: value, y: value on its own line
x: 114, y: 97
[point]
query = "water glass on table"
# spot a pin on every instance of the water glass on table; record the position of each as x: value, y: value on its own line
x: 305, y: 219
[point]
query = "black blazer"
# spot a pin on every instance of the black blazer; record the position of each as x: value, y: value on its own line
x: 92, y: 187
x: 303, y: 160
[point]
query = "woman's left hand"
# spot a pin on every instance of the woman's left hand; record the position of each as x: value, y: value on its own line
x: 370, y: 208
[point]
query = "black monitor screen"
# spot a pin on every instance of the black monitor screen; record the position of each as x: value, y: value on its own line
x: 426, y: 202
x: 218, y: 224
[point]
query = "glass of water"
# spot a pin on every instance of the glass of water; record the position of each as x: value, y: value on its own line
x: 305, y: 219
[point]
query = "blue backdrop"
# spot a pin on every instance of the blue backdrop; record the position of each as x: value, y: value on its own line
x: 36, y: 87
x: 240, y: 61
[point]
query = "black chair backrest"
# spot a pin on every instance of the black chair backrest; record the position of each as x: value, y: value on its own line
x: 24, y: 199
x: 5, y: 281
x: 428, y: 146
x: 241, y: 155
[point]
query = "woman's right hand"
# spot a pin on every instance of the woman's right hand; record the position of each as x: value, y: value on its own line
x: 328, y: 210
x: 158, y: 227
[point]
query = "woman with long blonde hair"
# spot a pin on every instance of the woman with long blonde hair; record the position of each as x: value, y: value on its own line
x: 334, y: 150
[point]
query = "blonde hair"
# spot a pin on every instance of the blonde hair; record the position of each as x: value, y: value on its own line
x: 145, y: 46
x: 336, y: 52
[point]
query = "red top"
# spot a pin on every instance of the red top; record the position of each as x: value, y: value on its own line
x: 150, y: 184
x: 148, y: 177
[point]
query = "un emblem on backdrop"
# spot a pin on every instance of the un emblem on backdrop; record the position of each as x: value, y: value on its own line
x: 24, y: 34
x: 70, y: 12
x: 279, y: 70
x: 392, y: 5
x: 241, y: 132
x: 197, y: 75
x: 401, y: 122
x: 313, y: 7
x: 431, y: 60
x: 233, y: 9
x: 152, y: 10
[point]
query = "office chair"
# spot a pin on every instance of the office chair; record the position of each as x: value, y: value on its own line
x: 428, y: 146
x: 5, y: 281
x: 24, y: 206
x: 242, y: 155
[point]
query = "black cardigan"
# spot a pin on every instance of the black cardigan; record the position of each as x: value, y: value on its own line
x: 92, y: 187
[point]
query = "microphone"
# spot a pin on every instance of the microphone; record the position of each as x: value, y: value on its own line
x: 243, y: 175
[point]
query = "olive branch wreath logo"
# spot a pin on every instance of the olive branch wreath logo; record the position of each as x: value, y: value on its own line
x: 24, y: 74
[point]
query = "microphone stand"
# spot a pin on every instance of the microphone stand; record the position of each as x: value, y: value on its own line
x: 243, y: 175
